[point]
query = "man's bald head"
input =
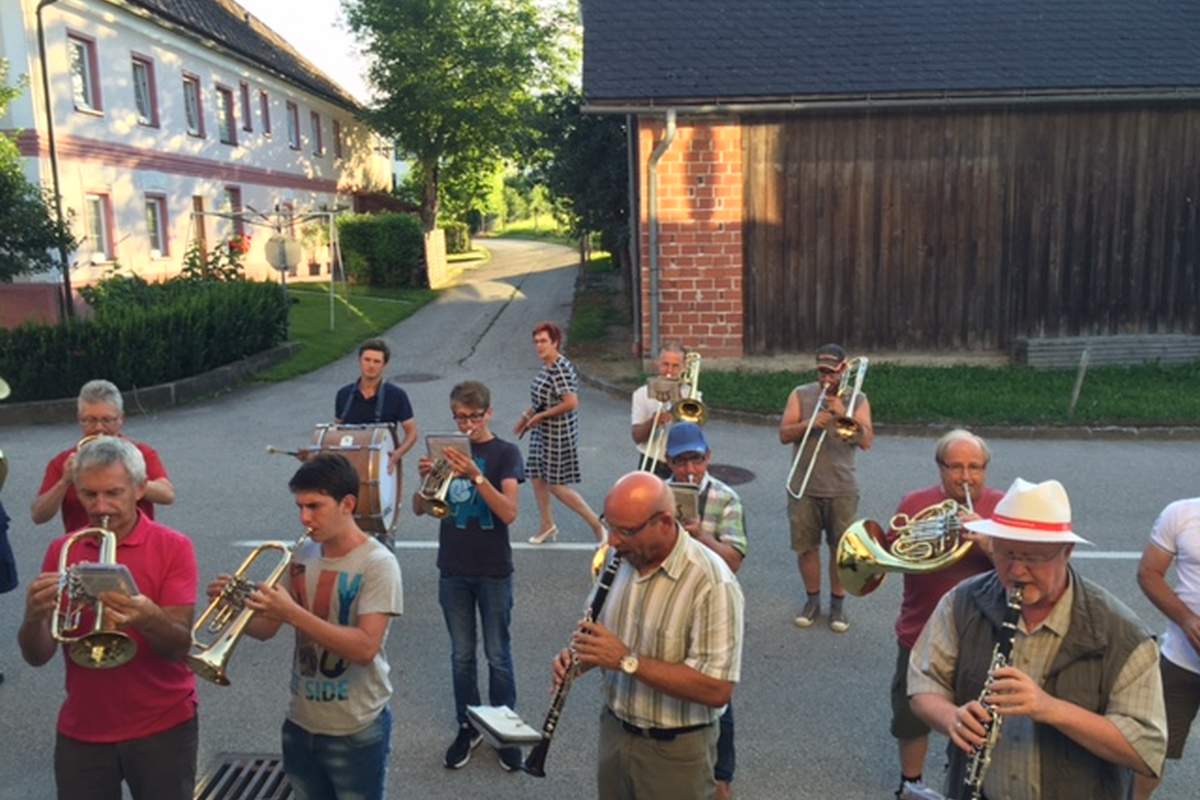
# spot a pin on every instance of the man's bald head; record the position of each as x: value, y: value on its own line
x: 638, y: 495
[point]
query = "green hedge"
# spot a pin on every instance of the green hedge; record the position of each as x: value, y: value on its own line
x: 383, y: 249
x: 458, y: 237
x: 166, y: 333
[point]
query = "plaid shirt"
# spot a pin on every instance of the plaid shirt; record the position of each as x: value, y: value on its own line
x: 723, y: 517
x: 689, y: 610
x: 1135, y: 705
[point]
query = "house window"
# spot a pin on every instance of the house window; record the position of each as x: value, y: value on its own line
x: 233, y: 205
x: 156, y: 225
x: 247, y: 122
x: 191, y: 105
x: 145, y: 93
x: 293, y: 123
x: 314, y: 123
x: 337, y: 139
x: 226, y: 120
x: 85, y: 89
x: 99, y: 226
x: 264, y: 106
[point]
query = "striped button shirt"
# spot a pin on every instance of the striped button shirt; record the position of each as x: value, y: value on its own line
x: 1135, y: 705
x: 689, y: 611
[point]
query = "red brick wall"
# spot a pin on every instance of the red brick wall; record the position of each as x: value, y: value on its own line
x: 700, y: 235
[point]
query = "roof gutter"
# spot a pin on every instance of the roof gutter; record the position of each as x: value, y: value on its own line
x: 67, y: 303
x: 894, y: 102
x: 659, y: 151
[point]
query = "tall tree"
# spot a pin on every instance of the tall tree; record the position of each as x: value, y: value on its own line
x: 454, y: 78
x: 29, y: 230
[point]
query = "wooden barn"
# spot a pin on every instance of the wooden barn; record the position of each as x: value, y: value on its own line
x: 916, y: 175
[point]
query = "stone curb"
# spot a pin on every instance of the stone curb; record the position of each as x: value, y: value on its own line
x: 1077, y: 432
x: 154, y: 398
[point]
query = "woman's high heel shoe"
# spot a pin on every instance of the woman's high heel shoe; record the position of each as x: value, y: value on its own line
x: 550, y: 533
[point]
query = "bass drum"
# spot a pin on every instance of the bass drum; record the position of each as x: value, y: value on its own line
x: 367, y: 448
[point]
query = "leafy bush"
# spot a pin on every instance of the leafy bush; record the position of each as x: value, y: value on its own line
x: 143, y: 334
x: 383, y: 249
x: 458, y: 237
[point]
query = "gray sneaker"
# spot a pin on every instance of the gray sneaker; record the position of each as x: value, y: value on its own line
x: 812, y: 610
x: 917, y: 790
x: 837, y: 619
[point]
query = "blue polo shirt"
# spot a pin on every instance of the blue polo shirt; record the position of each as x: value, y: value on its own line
x: 390, y: 405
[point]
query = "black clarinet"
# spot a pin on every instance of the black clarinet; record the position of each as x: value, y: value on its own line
x: 1001, y: 657
x: 535, y: 762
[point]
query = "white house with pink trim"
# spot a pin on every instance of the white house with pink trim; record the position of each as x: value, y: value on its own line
x: 160, y: 108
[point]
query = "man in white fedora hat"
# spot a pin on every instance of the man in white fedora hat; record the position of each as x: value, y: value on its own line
x: 1082, y: 702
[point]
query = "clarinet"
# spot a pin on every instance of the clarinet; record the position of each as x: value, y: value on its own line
x: 1001, y: 657
x: 535, y: 762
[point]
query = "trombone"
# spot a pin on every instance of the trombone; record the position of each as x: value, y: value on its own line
x: 431, y: 497
x: 666, y: 391
x: 91, y: 647
x: 683, y: 400
x: 227, y: 616
x: 690, y: 407
x: 846, y: 427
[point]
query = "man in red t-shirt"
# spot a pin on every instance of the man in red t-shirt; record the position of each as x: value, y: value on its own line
x: 962, y: 459
x: 101, y: 413
x: 135, y: 722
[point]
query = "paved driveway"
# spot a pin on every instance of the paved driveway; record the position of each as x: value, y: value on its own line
x: 812, y: 708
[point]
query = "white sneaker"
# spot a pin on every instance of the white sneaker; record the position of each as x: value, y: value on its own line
x: 917, y: 790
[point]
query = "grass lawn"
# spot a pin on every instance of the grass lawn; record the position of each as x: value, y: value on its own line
x: 988, y: 395
x: 546, y: 230
x: 475, y: 257
x: 369, y: 312
x: 597, y: 305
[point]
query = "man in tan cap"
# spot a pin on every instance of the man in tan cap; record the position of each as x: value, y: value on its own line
x: 1082, y: 701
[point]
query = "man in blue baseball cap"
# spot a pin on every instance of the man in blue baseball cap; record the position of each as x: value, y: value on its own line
x: 720, y: 526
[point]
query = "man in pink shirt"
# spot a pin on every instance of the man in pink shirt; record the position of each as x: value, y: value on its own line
x: 135, y: 722
x: 962, y: 460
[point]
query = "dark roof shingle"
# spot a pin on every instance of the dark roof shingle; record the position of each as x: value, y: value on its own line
x: 232, y: 26
x: 719, y: 50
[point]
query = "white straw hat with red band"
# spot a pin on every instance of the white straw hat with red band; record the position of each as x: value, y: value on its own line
x: 1031, y: 512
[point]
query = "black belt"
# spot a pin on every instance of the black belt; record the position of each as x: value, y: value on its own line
x: 658, y: 734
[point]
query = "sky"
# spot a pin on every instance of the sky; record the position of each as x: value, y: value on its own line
x: 320, y: 35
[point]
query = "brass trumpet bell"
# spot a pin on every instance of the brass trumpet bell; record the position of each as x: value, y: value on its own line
x: 102, y: 650
x: 690, y: 410
x: 864, y: 557
x: 92, y: 646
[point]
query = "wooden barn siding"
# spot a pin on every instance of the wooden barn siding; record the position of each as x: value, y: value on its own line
x: 966, y: 229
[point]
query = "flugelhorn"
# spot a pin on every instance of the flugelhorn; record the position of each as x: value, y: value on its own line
x: 846, y: 427
x: 91, y: 646
x: 431, y: 497
x: 227, y: 616
x: 928, y: 541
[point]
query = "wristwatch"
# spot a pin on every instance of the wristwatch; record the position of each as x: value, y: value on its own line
x: 478, y: 479
x: 629, y: 664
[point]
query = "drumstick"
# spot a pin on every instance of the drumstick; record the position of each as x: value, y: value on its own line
x: 275, y: 451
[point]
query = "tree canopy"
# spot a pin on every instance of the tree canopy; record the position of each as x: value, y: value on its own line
x: 28, y: 227
x: 455, y: 79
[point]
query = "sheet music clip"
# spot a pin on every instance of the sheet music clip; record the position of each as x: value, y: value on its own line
x: 502, y: 727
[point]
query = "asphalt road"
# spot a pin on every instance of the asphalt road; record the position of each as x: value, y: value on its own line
x: 812, y: 707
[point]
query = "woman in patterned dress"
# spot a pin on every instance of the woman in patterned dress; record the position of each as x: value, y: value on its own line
x: 553, y: 424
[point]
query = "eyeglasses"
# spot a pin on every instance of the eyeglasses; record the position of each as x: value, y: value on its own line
x: 476, y: 417
x: 1028, y: 559
x: 686, y: 459
x: 630, y: 531
x: 971, y: 469
x: 90, y: 421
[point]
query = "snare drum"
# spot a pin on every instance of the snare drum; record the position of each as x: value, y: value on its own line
x: 367, y: 448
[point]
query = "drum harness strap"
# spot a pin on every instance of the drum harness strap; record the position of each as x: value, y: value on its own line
x: 378, y: 400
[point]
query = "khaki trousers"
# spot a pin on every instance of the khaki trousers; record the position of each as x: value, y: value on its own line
x: 634, y: 767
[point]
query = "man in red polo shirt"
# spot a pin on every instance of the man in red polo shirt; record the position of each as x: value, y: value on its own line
x: 962, y: 460
x: 135, y: 722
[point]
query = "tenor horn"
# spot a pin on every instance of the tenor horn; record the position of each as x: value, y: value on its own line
x: 91, y: 646
x: 227, y: 616
x: 928, y: 541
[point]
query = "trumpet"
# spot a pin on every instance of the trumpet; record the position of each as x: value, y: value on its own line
x: 92, y: 646
x: 431, y: 497
x: 845, y: 427
x: 928, y: 541
x: 227, y: 616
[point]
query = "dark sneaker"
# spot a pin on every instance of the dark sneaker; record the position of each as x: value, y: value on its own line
x: 510, y: 758
x: 812, y: 610
x: 459, y: 752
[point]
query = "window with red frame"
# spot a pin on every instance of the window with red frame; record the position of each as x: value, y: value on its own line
x: 337, y: 139
x: 314, y: 122
x: 99, y: 226
x: 145, y: 92
x: 233, y: 205
x: 226, y: 120
x: 156, y: 226
x: 293, y: 123
x: 264, y: 107
x: 85, y: 72
x: 192, y: 108
x: 247, y: 121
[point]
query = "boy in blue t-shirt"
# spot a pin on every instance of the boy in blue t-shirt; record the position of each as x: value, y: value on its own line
x: 475, y: 561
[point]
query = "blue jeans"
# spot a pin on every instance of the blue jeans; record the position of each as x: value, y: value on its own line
x: 352, y: 767
x: 459, y: 597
